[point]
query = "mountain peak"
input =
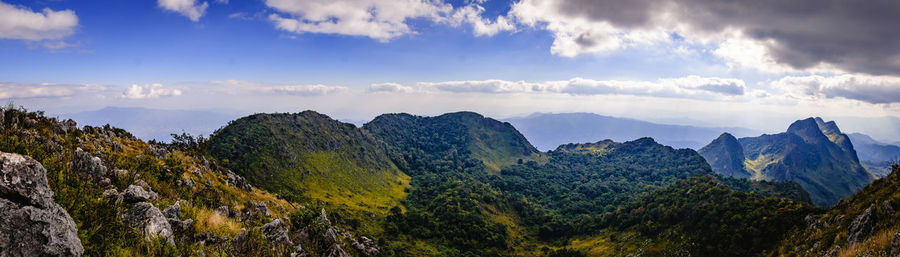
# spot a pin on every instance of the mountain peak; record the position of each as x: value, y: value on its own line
x: 726, y: 136
x: 808, y: 129
x: 725, y: 156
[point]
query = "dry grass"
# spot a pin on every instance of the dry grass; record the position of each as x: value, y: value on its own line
x: 209, y: 220
x: 878, y: 244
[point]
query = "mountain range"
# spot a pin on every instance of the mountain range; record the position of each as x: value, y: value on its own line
x: 812, y: 152
x: 457, y: 184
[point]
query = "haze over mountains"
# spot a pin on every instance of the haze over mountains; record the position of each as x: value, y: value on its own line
x: 155, y: 124
x: 547, y: 131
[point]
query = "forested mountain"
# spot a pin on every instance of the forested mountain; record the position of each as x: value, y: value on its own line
x: 812, y: 152
x: 462, y: 133
x: 547, y: 131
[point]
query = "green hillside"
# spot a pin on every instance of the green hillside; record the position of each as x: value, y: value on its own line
x: 813, y: 153
x: 308, y: 155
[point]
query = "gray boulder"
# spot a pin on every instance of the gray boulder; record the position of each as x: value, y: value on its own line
x: 91, y: 168
x: 31, y: 224
x: 136, y: 194
x: 149, y: 220
x: 862, y: 226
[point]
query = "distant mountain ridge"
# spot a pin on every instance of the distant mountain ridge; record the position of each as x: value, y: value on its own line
x: 812, y: 152
x: 547, y: 131
x: 154, y: 124
x: 874, y: 155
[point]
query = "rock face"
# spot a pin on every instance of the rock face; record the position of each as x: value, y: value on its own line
x: 862, y: 226
x: 31, y: 224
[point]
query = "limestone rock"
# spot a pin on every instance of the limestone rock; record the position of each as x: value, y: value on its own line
x: 174, y: 211
x: 135, y: 194
x: 31, y: 224
x: 149, y: 220
x: 91, y: 168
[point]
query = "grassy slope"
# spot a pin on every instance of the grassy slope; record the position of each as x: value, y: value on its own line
x: 310, y: 156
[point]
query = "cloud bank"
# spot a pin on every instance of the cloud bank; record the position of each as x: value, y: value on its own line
x: 34, y: 90
x: 866, y: 88
x: 684, y: 87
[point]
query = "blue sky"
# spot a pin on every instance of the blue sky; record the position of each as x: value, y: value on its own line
x: 357, y: 58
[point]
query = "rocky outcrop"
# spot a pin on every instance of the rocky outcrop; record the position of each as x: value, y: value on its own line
x: 261, y: 208
x: 237, y: 181
x: 276, y: 233
x: 173, y: 215
x: 31, y: 223
x: 862, y: 226
x: 365, y: 246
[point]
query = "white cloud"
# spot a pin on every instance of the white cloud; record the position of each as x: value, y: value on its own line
x: 151, y: 91
x: 390, y: 87
x: 22, y: 23
x: 866, y: 88
x: 472, y: 14
x: 377, y: 19
x: 243, y: 87
x: 44, y: 90
x: 189, y: 8
x: 684, y: 87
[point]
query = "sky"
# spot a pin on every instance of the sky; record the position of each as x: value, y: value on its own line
x: 757, y: 64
